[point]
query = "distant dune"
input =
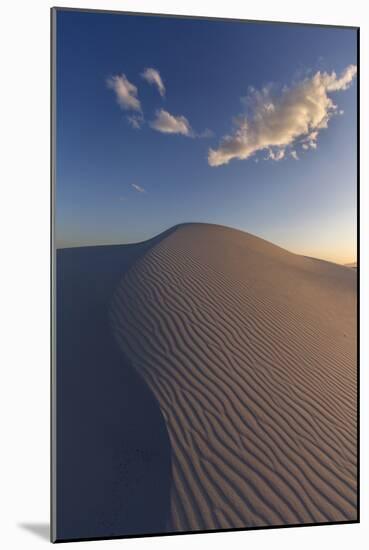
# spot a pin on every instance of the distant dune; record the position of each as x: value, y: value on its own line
x: 250, y: 351
x: 352, y: 264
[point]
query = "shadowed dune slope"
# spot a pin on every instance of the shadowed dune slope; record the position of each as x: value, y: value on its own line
x: 250, y: 352
x: 113, y: 463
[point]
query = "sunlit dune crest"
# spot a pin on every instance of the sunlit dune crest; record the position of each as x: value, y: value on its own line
x: 250, y: 352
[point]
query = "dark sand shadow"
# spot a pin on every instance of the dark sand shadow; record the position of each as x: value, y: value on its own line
x: 113, y: 450
x: 42, y: 530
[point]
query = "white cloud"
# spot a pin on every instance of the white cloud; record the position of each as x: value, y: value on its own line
x: 334, y: 84
x: 279, y: 120
x: 276, y: 155
x: 125, y: 91
x: 152, y: 76
x: 138, y: 188
x: 294, y: 155
x: 205, y: 134
x: 170, y: 124
x: 309, y: 141
x: 136, y: 121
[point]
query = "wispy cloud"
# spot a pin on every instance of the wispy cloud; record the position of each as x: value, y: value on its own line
x: 126, y: 92
x: 152, y: 76
x: 136, y: 121
x: 276, y: 155
x: 334, y: 84
x: 294, y: 155
x: 205, y: 134
x: 138, y: 188
x: 170, y: 124
x: 277, y: 121
x: 309, y: 141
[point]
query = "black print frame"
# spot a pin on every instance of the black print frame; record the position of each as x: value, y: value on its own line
x: 204, y: 277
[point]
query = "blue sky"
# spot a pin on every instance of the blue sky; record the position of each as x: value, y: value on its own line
x: 305, y: 202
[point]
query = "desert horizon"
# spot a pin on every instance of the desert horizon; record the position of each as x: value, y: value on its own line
x: 119, y: 243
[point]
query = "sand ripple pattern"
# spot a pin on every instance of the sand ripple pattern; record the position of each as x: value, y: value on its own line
x: 250, y: 351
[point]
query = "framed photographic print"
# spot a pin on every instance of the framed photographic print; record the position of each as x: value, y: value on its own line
x: 204, y: 274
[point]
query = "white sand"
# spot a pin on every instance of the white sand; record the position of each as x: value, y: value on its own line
x: 250, y: 351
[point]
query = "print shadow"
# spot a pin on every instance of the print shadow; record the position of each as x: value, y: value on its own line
x: 41, y: 530
x: 113, y: 451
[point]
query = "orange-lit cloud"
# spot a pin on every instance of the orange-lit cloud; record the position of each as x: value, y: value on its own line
x: 276, y: 122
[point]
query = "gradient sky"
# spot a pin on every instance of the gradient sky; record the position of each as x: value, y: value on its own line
x: 307, y: 205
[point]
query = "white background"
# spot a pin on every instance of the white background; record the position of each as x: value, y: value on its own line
x: 24, y: 260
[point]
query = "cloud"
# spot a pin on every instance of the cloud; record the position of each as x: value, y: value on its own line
x: 125, y: 91
x: 309, y: 142
x: 170, y: 124
x: 276, y: 155
x: 205, y: 134
x: 136, y: 121
x: 138, y: 188
x: 294, y: 155
x: 334, y: 84
x: 152, y: 76
x: 276, y: 121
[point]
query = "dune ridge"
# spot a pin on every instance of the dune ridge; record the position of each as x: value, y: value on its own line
x: 250, y: 351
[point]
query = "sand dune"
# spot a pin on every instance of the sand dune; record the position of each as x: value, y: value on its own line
x: 250, y: 352
x: 109, y: 422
